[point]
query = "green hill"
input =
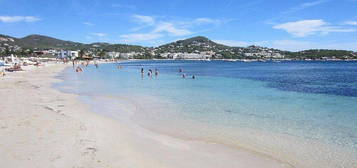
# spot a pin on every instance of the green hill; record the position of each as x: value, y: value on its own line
x: 191, y: 45
x: 40, y: 41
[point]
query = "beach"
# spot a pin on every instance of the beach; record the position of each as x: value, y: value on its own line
x: 43, y: 127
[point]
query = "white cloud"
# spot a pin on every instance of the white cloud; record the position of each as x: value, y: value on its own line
x: 139, y: 37
x: 171, y: 29
x: 305, y: 28
x: 8, y: 19
x: 305, y: 5
x: 99, y: 34
x: 144, y: 19
x: 207, y: 21
x: 354, y: 23
x: 286, y: 14
x: 159, y: 27
x: 88, y: 23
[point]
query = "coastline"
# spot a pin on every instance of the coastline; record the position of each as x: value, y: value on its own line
x: 44, y: 127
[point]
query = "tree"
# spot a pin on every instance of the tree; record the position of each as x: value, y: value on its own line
x: 30, y: 51
x: 101, y: 54
x: 81, y: 53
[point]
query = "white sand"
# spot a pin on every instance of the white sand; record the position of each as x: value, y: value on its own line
x: 42, y: 127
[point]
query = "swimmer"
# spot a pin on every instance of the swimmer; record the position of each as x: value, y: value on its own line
x: 79, y: 69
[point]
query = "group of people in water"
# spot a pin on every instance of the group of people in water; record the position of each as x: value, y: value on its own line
x: 82, y: 64
x: 183, y: 75
x: 150, y: 73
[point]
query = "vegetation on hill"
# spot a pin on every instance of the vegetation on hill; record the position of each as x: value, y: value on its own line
x: 39, y: 41
x: 29, y: 44
x: 321, y: 54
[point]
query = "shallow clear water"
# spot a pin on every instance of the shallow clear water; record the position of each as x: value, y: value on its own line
x: 307, y: 100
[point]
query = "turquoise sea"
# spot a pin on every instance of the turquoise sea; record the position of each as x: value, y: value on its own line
x: 303, y: 112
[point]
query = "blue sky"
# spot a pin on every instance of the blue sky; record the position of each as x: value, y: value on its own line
x: 283, y: 24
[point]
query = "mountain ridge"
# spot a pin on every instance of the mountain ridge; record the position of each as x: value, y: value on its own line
x: 190, y: 45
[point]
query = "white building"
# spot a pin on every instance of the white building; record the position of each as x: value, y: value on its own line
x: 122, y: 55
x: 67, y: 54
x: 128, y: 55
x: 113, y: 54
x: 265, y: 54
x: 202, y: 55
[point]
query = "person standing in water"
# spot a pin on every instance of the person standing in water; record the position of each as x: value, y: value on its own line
x: 79, y: 69
x: 193, y: 77
x: 142, y: 70
x: 156, y: 72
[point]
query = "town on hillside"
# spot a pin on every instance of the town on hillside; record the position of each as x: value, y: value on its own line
x: 200, y: 48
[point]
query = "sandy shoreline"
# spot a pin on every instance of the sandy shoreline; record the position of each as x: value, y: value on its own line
x: 43, y: 127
